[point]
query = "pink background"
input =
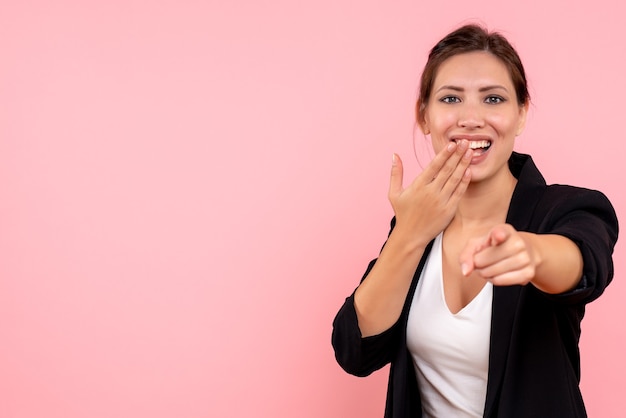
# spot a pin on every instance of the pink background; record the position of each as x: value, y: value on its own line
x: 189, y: 189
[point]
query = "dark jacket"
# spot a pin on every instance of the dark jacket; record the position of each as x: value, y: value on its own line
x: 534, y: 361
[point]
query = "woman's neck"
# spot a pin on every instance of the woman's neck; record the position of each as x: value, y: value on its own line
x: 486, y: 203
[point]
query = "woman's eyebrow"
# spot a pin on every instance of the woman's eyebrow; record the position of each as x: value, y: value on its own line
x: 493, y: 87
x: 448, y: 87
x: 482, y: 89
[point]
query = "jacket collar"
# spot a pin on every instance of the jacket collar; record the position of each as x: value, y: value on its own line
x: 529, y: 189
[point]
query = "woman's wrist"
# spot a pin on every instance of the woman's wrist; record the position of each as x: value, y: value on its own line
x: 407, y: 243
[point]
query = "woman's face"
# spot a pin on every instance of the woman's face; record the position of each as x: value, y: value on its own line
x: 473, y: 98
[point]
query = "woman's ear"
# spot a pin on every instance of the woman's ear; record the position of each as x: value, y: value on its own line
x: 522, y: 118
x: 420, y: 117
x: 421, y: 122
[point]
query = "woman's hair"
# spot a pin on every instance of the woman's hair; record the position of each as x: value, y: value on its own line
x: 471, y: 38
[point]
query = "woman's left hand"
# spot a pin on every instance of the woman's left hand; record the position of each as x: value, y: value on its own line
x: 504, y: 256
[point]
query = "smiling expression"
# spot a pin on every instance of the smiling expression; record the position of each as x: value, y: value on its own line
x: 473, y: 98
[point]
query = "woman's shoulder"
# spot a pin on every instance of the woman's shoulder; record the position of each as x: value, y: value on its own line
x: 570, y: 198
x: 566, y: 191
x: 532, y: 183
x: 541, y: 206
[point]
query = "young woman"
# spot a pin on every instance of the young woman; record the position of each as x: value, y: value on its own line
x: 477, y: 296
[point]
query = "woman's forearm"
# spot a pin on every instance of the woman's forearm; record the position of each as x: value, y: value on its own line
x: 559, y: 263
x: 380, y: 297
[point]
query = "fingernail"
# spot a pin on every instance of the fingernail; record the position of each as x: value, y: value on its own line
x: 451, y: 146
x: 394, y: 160
x: 464, y: 269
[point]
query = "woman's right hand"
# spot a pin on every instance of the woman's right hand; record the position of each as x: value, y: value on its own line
x: 422, y: 210
x: 428, y: 204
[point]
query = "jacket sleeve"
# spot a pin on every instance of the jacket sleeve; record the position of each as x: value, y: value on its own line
x: 357, y: 355
x: 588, y: 219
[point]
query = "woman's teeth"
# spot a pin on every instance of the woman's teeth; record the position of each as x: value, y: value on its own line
x: 479, y: 144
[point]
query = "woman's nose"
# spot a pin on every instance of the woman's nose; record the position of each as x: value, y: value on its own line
x: 471, y: 116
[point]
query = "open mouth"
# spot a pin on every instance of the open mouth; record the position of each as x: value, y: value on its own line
x: 479, y: 147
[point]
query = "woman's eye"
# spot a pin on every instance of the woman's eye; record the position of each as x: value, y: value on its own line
x: 450, y: 99
x: 494, y: 100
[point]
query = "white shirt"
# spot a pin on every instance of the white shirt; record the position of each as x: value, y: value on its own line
x: 450, y: 351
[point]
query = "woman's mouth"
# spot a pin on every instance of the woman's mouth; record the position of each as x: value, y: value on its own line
x: 479, y: 147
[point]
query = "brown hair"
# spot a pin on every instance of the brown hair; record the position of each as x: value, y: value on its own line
x: 470, y: 38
